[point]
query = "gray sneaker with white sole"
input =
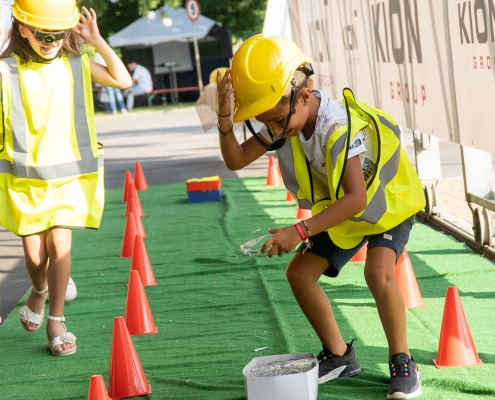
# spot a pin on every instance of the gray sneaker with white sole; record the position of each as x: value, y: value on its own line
x: 332, y: 366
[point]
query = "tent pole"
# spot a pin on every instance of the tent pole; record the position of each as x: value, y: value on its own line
x: 198, y: 63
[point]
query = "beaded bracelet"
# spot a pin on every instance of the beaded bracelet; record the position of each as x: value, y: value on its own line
x: 306, y: 226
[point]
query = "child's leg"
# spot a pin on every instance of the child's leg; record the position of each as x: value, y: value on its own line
x: 36, y: 260
x: 303, y: 273
x: 379, y: 273
x: 58, y: 245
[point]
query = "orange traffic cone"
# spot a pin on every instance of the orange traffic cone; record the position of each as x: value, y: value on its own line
x: 137, y: 315
x: 273, y: 174
x: 129, y: 233
x: 127, y: 181
x: 404, y: 275
x: 360, y: 256
x: 97, y: 388
x: 141, y: 263
x: 139, y: 225
x: 456, y: 347
x: 289, y: 197
x: 139, y: 179
x: 126, y: 376
x: 133, y: 194
x: 130, y: 206
x: 302, y: 213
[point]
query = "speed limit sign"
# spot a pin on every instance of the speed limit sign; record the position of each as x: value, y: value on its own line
x: 193, y: 9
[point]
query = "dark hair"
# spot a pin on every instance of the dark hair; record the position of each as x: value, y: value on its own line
x: 20, y: 46
x: 301, y: 82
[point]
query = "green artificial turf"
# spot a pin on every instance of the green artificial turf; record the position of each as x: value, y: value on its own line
x: 213, y: 306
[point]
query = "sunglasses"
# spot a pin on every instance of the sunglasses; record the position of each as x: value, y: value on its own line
x: 47, y: 37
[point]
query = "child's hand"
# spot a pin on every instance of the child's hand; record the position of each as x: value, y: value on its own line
x: 224, y: 90
x: 284, y: 240
x: 87, y: 28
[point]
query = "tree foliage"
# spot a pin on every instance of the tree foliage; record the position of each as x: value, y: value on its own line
x: 243, y: 17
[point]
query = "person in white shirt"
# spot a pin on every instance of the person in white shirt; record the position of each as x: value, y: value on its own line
x: 114, y: 95
x: 141, y: 83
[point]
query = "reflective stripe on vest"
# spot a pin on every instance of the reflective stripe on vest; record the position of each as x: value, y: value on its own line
x: 378, y: 204
x: 393, y: 189
x: 88, y: 163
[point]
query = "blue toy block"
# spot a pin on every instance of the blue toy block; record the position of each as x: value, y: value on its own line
x: 200, y: 197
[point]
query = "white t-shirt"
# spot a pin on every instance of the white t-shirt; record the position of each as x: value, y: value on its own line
x: 331, y: 116
x: 143, y: 78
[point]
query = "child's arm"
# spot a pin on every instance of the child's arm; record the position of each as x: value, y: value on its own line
x: 236, y: 156
x: 353, y: 202
x: 115, y: 73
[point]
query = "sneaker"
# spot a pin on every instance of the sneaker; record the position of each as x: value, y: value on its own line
x: 332, y: 367
x: 123, y: 111
x: 404, y: 378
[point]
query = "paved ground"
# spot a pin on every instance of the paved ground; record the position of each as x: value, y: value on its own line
x: 172, y: 147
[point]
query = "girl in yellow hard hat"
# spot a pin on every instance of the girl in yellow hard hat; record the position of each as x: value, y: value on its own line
x: 344, y: 161
x: 51, y: 165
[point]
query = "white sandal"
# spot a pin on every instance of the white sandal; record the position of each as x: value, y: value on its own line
x: 26, y: 315
x: 64, y: 338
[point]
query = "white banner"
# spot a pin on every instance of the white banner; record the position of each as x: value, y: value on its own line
x: 429, y: 63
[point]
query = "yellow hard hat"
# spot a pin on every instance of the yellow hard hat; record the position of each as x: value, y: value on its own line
x: 57, y: 15
x: 261, y: 71
x: 213, y: 75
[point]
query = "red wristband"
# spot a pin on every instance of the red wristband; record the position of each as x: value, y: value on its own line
x: 301, y: 232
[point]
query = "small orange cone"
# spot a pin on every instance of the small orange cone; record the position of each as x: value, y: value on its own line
x: 141, y: 263
x: 137, y: 315
x: 404, y: 275
x: 360, y: 256
x: 289, y: 197
x: 139, y: 225
x: 456, y: 347
x: 273, y: 174
x: 302, y: 213
x: 97, y: 388
x: 126, y: 376
x: 127, y: 181
x: 133, y: 194
x: 129, y: 233
x: 130, y: 206
x: 139, y: 179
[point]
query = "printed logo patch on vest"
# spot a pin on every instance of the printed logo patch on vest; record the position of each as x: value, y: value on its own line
x: 357, y: 143
x: 368, y: 168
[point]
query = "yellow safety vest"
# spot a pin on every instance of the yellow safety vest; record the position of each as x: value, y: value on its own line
x: 51, y: 165
x: 394, y: 191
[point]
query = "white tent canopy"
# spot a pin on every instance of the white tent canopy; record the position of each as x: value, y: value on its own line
x: 148, y: 31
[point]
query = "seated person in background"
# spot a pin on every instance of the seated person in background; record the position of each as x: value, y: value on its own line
x: 141, y: 82
x: 114, y: 95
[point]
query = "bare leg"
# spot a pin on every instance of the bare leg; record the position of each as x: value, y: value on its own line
x: 379, y: 273
x: 58, y: 245
x: 36, y: 260
x: 303, y: 273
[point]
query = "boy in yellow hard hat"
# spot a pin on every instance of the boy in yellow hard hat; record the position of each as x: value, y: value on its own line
x: 51, y: 165
x: 345, y: 162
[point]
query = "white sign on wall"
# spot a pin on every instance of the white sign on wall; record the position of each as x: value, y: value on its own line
x: 430, y: 64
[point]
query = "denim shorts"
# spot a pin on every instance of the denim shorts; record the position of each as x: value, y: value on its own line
x: 395, y: 239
